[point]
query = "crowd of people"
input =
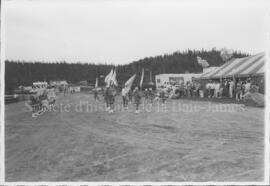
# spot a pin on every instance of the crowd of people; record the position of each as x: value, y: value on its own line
x: 128, y: 96
x: 225, y: 88
x: 42, y: 99
x: 237, y: 89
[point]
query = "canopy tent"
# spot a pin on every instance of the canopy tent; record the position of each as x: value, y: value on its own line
x: 208, y: 73
x: 239, y: 67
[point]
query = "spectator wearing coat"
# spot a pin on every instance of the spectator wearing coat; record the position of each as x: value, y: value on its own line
x: 137, y: 99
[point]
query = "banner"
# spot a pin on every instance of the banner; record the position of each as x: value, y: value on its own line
x: 113, y: 80
x: 226, y: 54
x: 202, y: 62
x: 108, y: 78
x: 129, y: 82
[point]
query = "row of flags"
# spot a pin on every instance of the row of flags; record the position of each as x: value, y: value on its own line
x: 110, y: 80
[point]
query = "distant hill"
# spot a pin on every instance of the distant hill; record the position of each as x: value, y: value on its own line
x: 24, y: 73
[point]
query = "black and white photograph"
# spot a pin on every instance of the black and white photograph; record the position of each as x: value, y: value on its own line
x: 133, y: 91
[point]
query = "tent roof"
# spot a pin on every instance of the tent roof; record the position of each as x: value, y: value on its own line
x: 251, y: 65
x: 207, y: 74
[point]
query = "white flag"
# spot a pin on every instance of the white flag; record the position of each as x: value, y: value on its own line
x: 226, y: 54
x: 202, y: 62
x: 108, y: 78
x: 129, y: 82
x: 141, y: 82
x: 113, y: 80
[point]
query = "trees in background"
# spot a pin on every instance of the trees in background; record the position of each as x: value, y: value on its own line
x: 25, y: 73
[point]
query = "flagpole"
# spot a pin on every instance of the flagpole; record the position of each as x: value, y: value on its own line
x: 96, y: 85
x: 142, y: 77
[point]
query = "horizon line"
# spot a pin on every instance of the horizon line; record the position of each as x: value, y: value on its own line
x: 111, y: 63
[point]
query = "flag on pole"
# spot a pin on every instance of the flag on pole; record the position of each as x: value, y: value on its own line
x: 129, y: 82
x: 96, y: 85
x: 113, y: 80
x: 141, y: 82
x: 108, y: 78
x: 226, y: 54
x: 203, y: 63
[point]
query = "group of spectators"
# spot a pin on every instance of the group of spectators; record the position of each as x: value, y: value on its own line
x: 225, y: 88
x: 229, y: 88
x: 213, y: 89
x: 41, y: 99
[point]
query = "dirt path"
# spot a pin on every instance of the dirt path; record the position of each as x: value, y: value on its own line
x: 151, y: 146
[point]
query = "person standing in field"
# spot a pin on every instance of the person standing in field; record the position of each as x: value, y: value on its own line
x: 130, y: 96
x: 137, y: 99
x: 247, y: 86
x: 65, y: 89
x: 227, y: 88
x: 125, y: 97
x: 238, y: 91
x: 146, y: 94
x: 246, y: 89
x: 217, y: 87
x: 111, y: 99
x: 231, y: 89
x: 163, y: 96
x: 106, y: 98
x: 221, y: 89
x: 35, y: 103
x: 243, y: 83
x: 151, y: 95
x: 51, y: 96
x: 95, y: 94
x: 188, y: 89
x: 209, y: 87
x: 212, y: 89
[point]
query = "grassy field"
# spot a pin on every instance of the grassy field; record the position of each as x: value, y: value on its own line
x: 175, y: 142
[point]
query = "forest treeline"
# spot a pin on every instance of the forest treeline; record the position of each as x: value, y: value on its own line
x: 25, y: 73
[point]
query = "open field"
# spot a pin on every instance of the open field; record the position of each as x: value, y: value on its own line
x: 164, y: 144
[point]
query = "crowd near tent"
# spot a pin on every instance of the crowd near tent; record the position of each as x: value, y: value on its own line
x: 178, y: 79
x: 239, y: 67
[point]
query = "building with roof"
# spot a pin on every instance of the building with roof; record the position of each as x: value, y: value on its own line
x: 238, y: 67
x: 177, y: 79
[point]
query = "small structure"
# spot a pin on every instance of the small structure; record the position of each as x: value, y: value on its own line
x: 60, y: 86
x: 77, y: 89
x: 83, y: 83
x: 59, y: 83
x: 176, y: 79
x: 74, y: 88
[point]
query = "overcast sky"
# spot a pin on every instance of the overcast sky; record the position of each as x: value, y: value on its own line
x: 121, y: 31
